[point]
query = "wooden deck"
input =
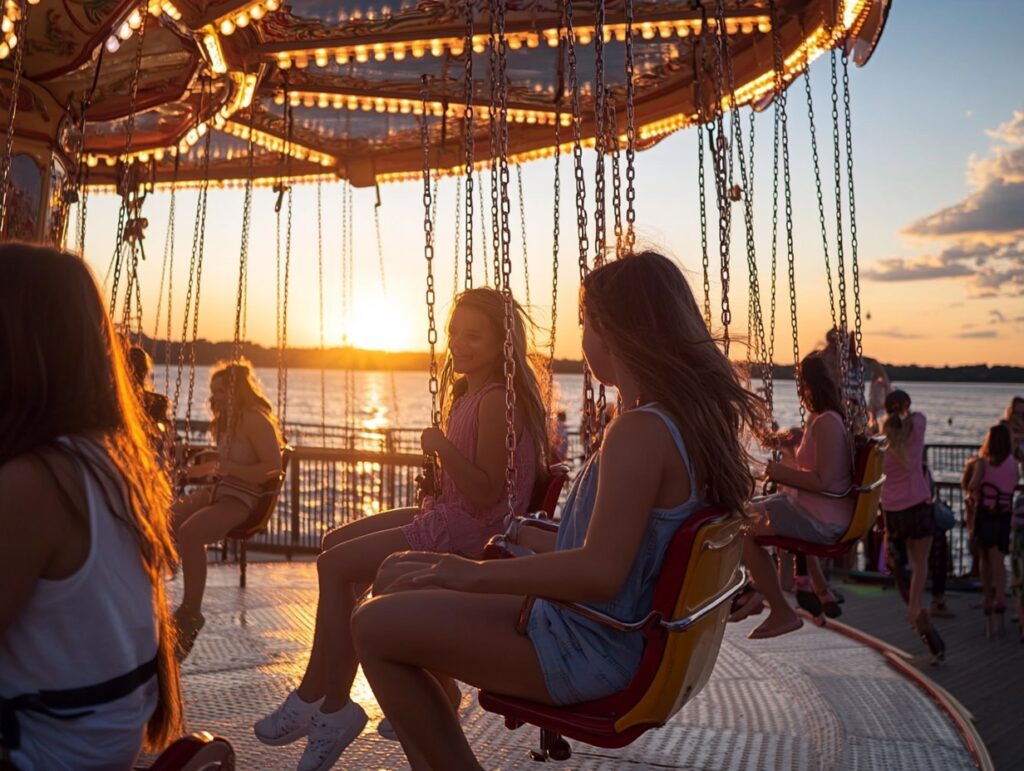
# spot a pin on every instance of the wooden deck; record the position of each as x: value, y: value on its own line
x: 986, y: 676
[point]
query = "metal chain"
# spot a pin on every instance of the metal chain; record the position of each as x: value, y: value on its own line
x: 384, y: 291
x: 600, y: 142
x: 817, y: 189
x: 469, y: 128
x: 522, y: 229
x: 556, y: 230
x: 780, y: 111
x: 495, y: 144
x: 428, y: 254
x: 588, y: 422
x: 630, y: 132
x: 456, y: 241
x: 168, y: 257
x: 854, y: 264
x: 12, y: 111
x: 721, y: 156
x: 320, y: 300
x: 483, y: 227
x: 498, y: 7
x: 288, y: 191
x: 169, y: 244
x: 613, y: 130
x: 125, y: 172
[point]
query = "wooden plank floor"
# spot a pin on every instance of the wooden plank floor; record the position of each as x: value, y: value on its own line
x: 986, y: 676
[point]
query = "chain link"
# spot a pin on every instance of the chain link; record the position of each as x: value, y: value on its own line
x: 587, y: 421
x: 169, y: 246
x: 522, y: 229
x: 613, y: 141
x: 469, y: 130
x: 817, y: 189
x: 556, y: 230
x: 630, y: 133
x: 600, y: 145
x: 721, y: 156
x: 781, y: 118
x: 12, y: 112
x: 428, y: 254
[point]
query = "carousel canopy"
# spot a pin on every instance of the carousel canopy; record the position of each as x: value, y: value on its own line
x: 339, y: 88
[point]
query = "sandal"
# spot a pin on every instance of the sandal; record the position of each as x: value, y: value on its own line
x: 809, y: 601
x: 930, y: 636
x: 188, y: 626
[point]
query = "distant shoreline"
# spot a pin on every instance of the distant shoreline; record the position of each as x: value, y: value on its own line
x: 208, y: 353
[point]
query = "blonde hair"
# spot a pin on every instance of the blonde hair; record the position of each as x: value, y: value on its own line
x: 643, y: 308
x: 63, y: 373
x: 244, y: 393
x: 528, y: 391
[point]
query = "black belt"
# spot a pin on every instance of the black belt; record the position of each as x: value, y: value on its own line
x: 46, y: 702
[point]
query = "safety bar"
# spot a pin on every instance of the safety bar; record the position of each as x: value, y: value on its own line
x: 674, y: 625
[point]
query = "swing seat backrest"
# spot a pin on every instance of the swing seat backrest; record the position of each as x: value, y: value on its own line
x: 547, y: 490
x: 263, y: 508
x: 199, y: 752
x: 869, y: 464
x: 684, y: 631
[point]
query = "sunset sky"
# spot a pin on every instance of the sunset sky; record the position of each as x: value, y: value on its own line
x: 939, y: 168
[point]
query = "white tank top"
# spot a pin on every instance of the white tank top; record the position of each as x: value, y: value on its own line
x: 82, y: 630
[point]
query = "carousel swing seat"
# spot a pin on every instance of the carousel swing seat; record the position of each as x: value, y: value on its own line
x: 259, y: 517
x: 683, y: 633
x: 869, y: 462
x: 199, y: 752
x: 547, y: 491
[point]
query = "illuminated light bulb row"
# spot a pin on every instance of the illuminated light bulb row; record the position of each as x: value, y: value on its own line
x: 395, y: 106
x: 219, y: 184
x: 254, y: 12
x: 211, y: 42
x: 8, y: 24
x: 277, y: 145
x: 157, y: 7
x: 417, y: 49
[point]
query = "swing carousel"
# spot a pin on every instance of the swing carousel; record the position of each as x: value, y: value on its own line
x: 131, y: 98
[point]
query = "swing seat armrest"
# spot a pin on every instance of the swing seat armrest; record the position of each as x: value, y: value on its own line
x: 851, y: 490
x: 500, y: 547
x: 671, y: 625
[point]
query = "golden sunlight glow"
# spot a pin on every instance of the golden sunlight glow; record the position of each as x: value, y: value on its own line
x: 378, y: 323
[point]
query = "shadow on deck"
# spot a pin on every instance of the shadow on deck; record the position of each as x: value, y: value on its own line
x: 812, y: 699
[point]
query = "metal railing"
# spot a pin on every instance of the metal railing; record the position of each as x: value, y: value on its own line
x: 343, y: 474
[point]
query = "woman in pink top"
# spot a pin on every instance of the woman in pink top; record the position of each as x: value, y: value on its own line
x: 907, y: 506
x: 468, y: 508
x: 990, y: 494
x: 823, y: 463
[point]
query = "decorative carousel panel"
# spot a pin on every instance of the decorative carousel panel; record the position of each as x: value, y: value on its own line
x: 63, y: 35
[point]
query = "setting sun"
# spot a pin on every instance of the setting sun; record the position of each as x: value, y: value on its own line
x: 377, y: 323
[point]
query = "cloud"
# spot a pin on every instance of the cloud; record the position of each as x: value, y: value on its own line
x: 997, y: 316
x: 979, y: 333
x: 897, y: 334
x: 982, y: 236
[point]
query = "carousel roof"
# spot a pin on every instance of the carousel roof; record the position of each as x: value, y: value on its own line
x: 339, y: 88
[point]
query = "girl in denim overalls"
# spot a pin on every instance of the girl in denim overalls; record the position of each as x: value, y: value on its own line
x: 675, y: 446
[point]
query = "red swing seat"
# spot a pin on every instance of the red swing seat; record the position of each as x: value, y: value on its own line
x: 198, y: 752
x: 547, y: 491
x: 869, y: 462
x: 683, y: 632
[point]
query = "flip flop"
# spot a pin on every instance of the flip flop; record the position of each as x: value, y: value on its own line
x: 188, y: 626
x: 750, y: 603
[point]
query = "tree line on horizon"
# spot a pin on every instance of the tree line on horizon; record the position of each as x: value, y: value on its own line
x: 208, y: 353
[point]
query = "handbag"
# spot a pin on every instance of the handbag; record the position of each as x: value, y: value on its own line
x: 945, y: 519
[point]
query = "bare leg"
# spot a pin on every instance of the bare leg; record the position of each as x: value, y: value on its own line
x: 998, y: 573
x: 781, y: 617
x: 341, y: 570
x: 314, y: 679
x: 207, y: 525
x: 399, y: 642
x: 917, y: 551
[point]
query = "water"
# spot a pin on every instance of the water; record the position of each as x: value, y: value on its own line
x: 957, y: 412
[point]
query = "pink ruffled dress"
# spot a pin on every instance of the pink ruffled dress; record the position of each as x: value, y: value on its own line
x: 449, y: 521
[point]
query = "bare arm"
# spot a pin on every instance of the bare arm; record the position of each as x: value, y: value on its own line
x: 629, y: 482
x: 33, y: 521
x: 830, y: 462
x: 977, y: 475
x: 260, y: 433
x: 537, y: 540
x: 480, y: 479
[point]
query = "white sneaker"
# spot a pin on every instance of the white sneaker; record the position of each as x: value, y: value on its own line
x: 330, y: 734
x: 386, y: 730
x: 290, y: 721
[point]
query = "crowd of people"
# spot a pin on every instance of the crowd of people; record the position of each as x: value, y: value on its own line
x: 89, y: 649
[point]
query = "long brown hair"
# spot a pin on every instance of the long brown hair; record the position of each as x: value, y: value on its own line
x: 63, y: 373
x: 244, y: 393
x: 645, y: 311
x: 897, y: 428
x: 529, y: 399
x: 997, y: 445
x: 818, y: 387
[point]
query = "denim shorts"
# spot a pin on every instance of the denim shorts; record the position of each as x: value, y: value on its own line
x: 789, y: 519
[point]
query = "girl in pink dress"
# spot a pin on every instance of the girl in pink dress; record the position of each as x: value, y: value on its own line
x: 469, y: 507
x: 989, y: 504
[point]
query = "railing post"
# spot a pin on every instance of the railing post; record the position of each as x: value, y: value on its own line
x: 294, y: 479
